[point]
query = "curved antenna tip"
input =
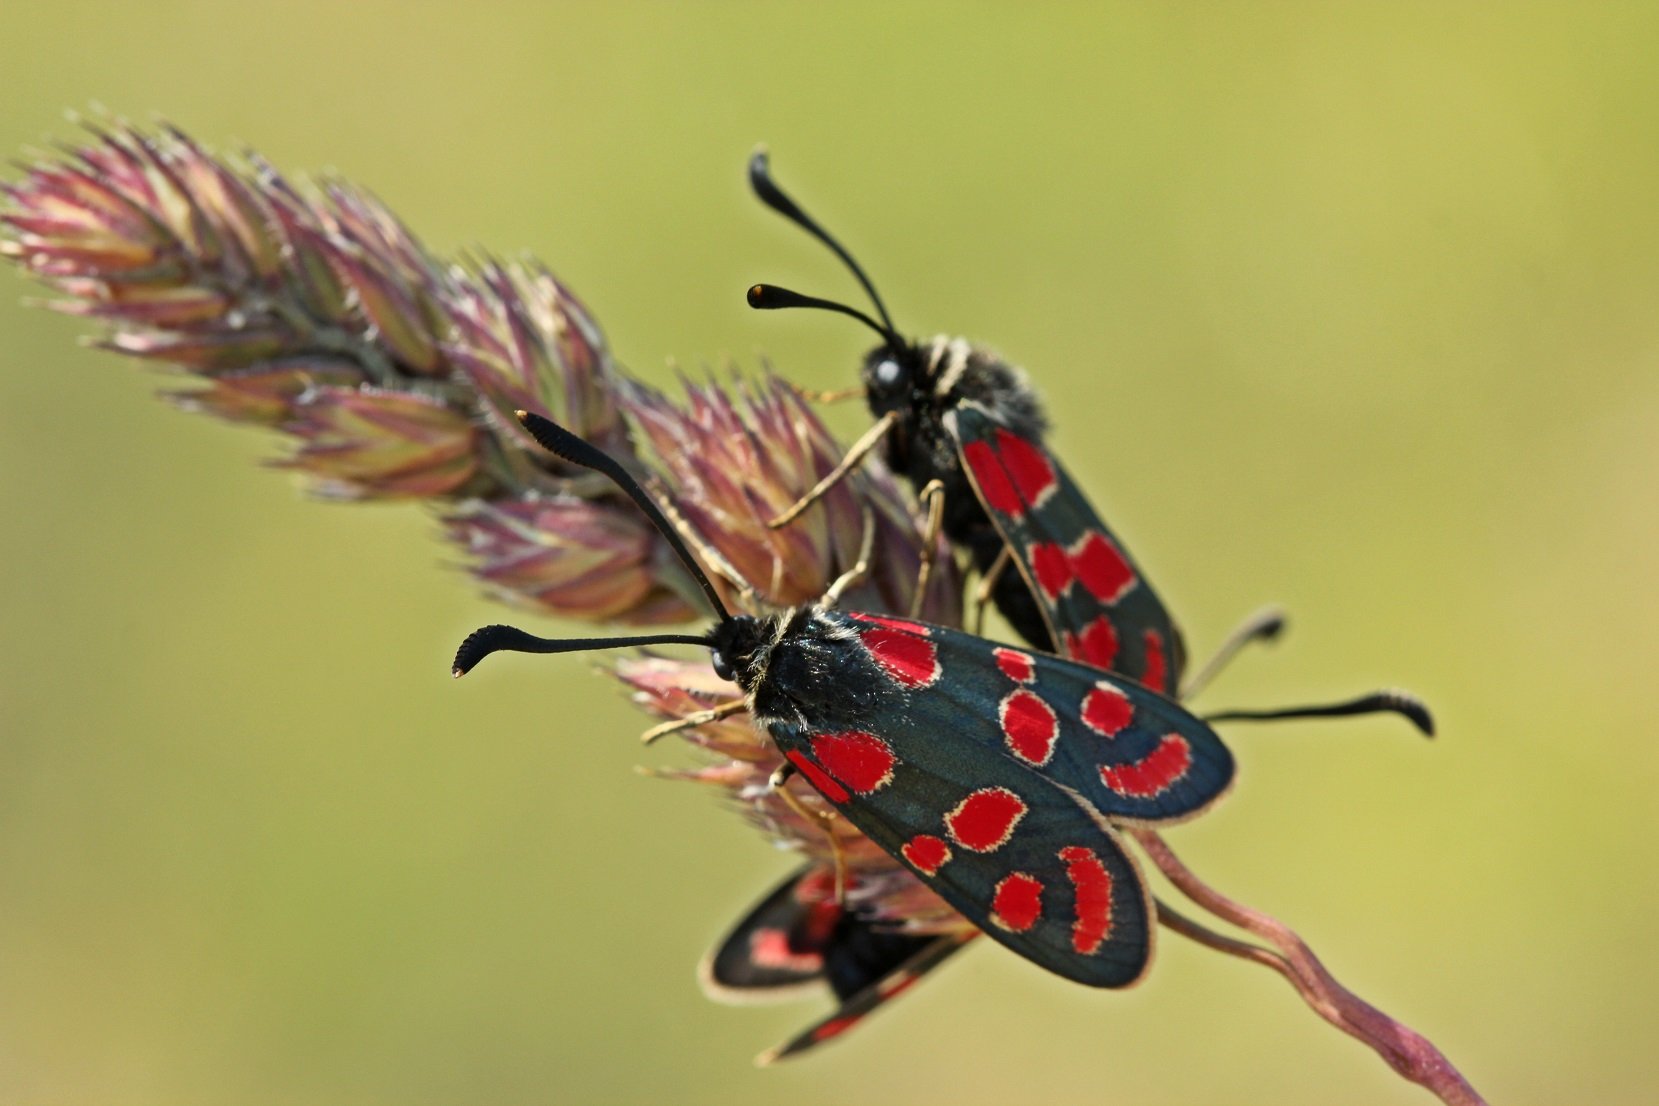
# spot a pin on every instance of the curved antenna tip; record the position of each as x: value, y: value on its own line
x: 1413, y: 710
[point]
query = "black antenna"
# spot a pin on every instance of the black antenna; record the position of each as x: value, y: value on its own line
x: 1390, y: 701
x: 770, y: 297
x: 760, y: 179
x: 556, y: 439
x: 491, y: 639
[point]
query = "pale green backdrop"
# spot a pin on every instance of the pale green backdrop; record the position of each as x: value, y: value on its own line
x: 1353, y: 307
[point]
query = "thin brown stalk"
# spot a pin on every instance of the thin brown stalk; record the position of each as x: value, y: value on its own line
x: 1403, y: 1048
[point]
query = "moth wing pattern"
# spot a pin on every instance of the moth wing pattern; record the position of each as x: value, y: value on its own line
x: 1134, y: 755
x: 859, y: 1004
x: 798, y: 940
x: 1099, y: 606
x: 1012, y: 851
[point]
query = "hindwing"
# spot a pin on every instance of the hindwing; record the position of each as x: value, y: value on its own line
x: 799, y: 938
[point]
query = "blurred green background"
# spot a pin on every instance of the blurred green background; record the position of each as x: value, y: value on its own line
x: 1349, y: 307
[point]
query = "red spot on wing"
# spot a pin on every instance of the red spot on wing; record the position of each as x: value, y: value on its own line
x: 1017, y: 666
x: 903, y: 625
x: 1091, y: 886
x: 835, y: 1027
x: 820, y: 912
x: 1101, y: 568
x: 827, y: 787
x: 1156, y: 669
x: 994, y: 485
x: 907, y: 657
x: 927, y: 852
x: 815, y: 886
x: 1096, y: 645
x: 1017, y: 902
x: 770, y: 948
x: 1157, y: 771
x: 1052, y: 568
x: 1028, y: 467
x: 861, y: 761
x: 1029, y: 726
x: 1106, y: 710
x: 985, y: 819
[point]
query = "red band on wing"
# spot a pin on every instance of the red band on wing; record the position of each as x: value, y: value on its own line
x: 1092, y: 895
x: 1157, y: 771
x: 903, y: 625
x: 831, y: 790
x: 835, y: 1027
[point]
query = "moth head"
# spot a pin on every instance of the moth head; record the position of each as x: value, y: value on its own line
x: 891, y: 376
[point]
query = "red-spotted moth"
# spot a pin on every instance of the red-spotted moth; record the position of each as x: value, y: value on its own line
x: 995, y: 775
x: 959, y: 420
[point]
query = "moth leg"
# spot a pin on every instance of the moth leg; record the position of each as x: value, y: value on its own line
x: 713, y: 714
x: 831, y: 395
x: 934, y: 497
x: 825, y: 821
x: 706, y: 552
x: 861, y: 568
x: 987, y: 584
x: 1265, y: 625
x: 872, y: 438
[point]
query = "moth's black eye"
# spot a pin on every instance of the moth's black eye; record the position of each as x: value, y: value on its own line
x: 721, y: 668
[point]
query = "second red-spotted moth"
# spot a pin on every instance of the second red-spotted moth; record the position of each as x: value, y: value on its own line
x: 966, y: 428
x: 996, y: 775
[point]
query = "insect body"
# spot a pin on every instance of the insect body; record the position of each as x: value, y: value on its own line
x: 958, y: 419
x: 995, y: 775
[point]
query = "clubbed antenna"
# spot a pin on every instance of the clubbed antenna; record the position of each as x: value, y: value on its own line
x: 1387, y: 701
x: 770, y: 297
x: 556, y: 439
x: 760, y: 179
x: 494, y: 639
